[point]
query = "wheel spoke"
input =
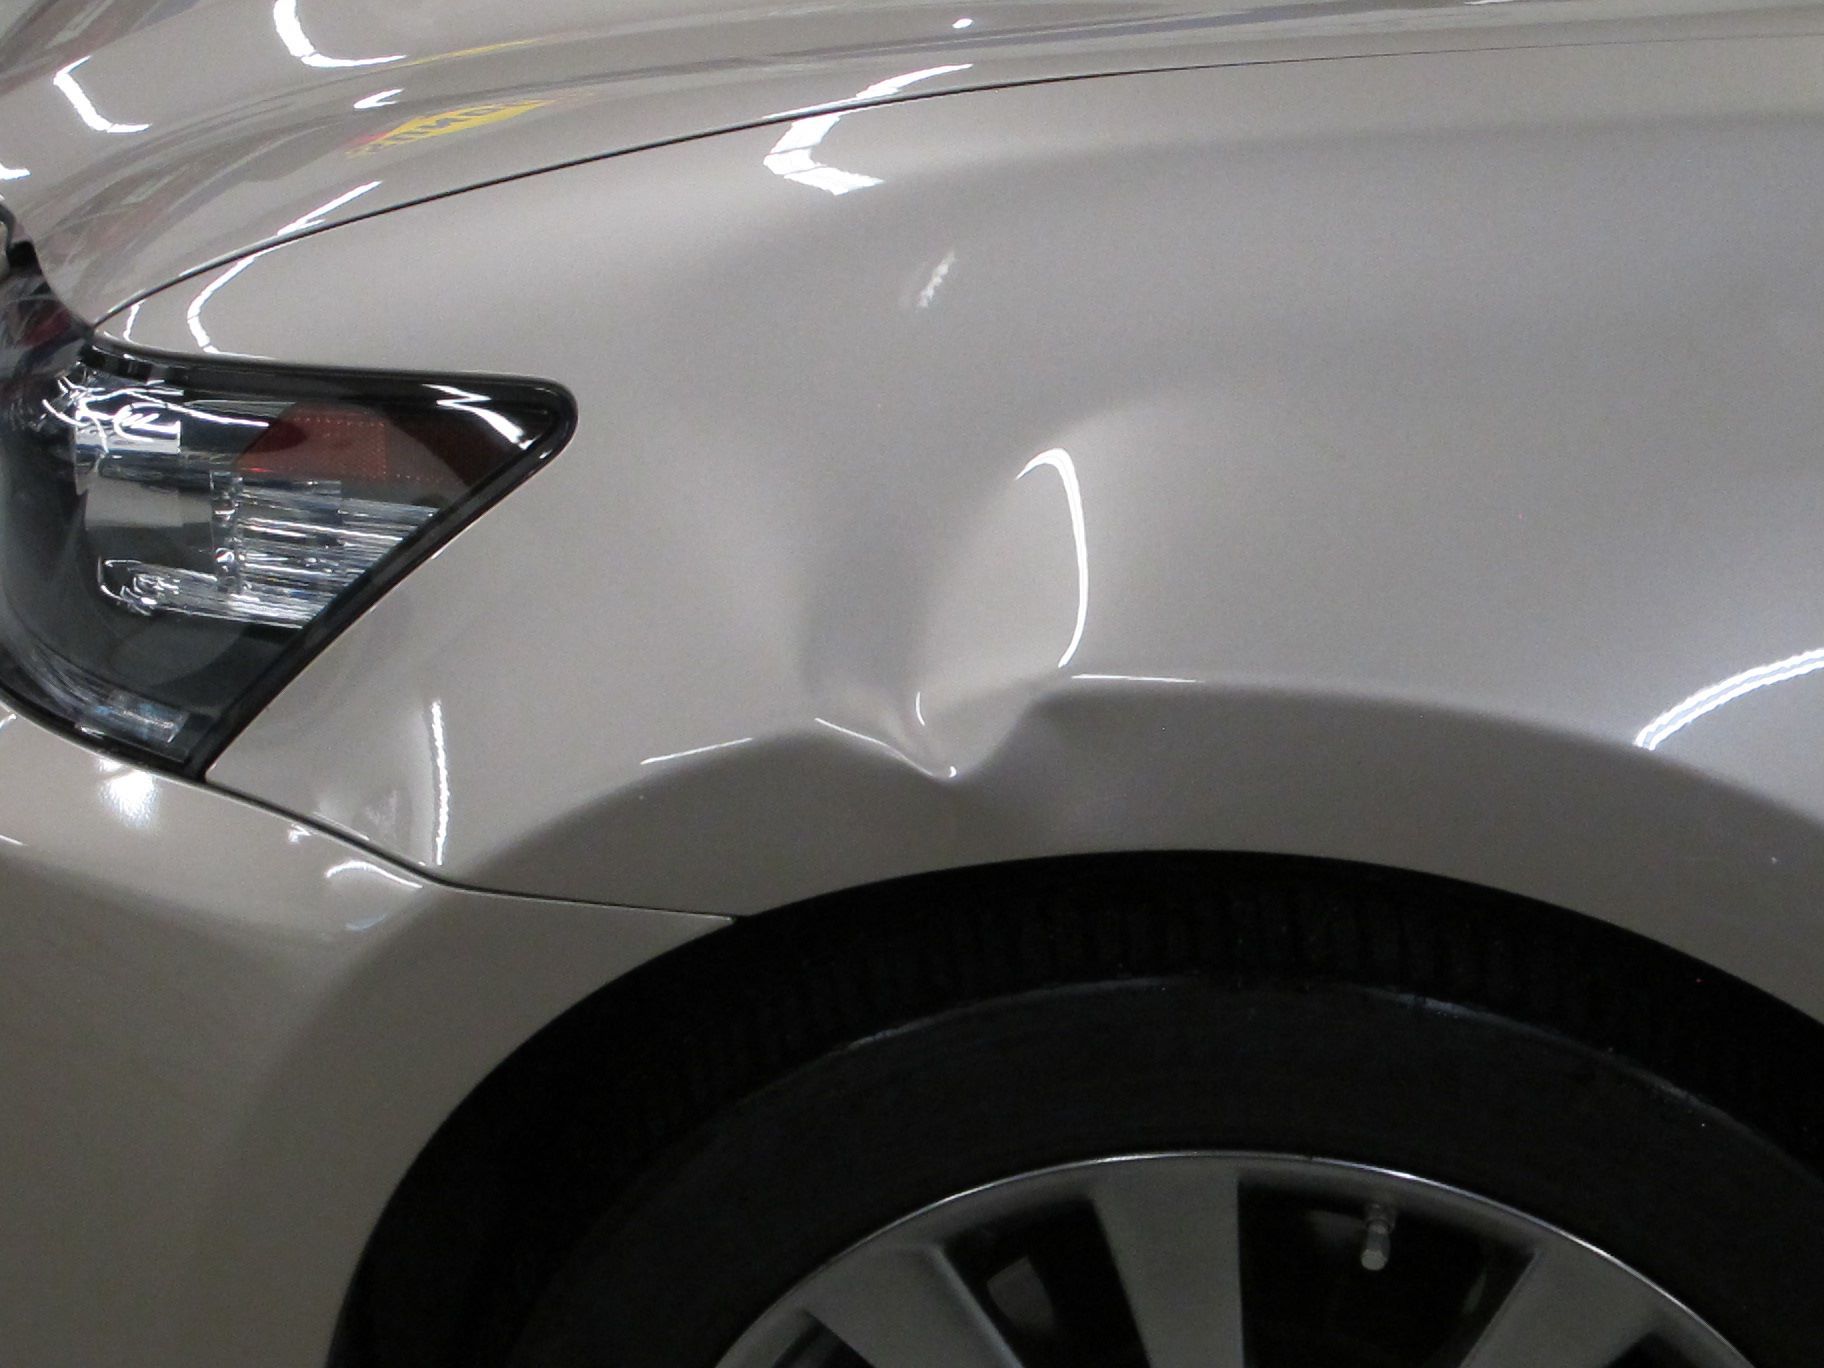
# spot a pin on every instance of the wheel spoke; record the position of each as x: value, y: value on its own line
x: 1175, y: 1236
x: 907, y: 1307
x: 1570, y: 1308
x: 1143, y: 1256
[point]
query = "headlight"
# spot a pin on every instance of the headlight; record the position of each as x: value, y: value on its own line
x: 176, y: 539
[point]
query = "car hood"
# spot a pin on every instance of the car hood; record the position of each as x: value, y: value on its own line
x: 143, y: 140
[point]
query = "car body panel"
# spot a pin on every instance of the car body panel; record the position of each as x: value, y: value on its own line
x: 223, y: 1039
x: 1410, y: 459
x: 1326, y: 458
x: 142, y: 142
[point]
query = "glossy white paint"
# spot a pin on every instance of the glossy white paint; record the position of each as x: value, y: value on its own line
x: 1409, y: 458
x: 224, y: 1036
x: 162, y: 138
x: 1407, y: 495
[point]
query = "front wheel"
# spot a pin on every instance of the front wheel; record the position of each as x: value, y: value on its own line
x: 1188, y: 1170
x: 1219, y: 1261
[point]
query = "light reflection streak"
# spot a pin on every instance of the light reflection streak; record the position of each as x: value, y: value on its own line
x: 936, y: 283
x: 132, y: 794
x: 1059, y: 460
x: 440, y: 759
x: 792, y: 159
x: 467, y: 401
x: 291, y: 33
x: 315, y: 217
x: 887, y: 746
x: 696, y: 750
x: 65, y: 81
x: 894, y: 84
x: 193, y: 312
x: 1682, y: 714
x: 1140, y: 679
x: 369, y: 867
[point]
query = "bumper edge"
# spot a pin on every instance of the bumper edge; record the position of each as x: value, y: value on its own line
x: 224, y: 1036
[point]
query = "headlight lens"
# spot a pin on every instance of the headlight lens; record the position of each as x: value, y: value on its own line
x: 175, y: 540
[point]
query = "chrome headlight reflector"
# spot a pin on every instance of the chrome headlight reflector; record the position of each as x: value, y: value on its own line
x: 176, y: 539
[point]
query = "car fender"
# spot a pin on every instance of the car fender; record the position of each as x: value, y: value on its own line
x: 1410, y: 459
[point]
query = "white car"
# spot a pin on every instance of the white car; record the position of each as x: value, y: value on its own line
x: 1039, y: 684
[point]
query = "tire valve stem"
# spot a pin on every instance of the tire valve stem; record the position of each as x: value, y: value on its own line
x: 1377, y: 1237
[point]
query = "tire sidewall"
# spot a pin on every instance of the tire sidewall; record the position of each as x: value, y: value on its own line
x: 706, y: 1240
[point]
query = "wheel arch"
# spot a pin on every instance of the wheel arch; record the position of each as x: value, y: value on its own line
x: 566, y: 1121
x: 1679, y: 853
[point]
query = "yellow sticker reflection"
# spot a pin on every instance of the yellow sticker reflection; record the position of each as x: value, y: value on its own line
x: 458, y: 120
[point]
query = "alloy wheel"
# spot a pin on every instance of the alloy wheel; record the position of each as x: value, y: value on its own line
x: 1226, y: 1261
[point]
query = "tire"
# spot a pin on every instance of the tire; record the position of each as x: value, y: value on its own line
x: 1261, y: 1045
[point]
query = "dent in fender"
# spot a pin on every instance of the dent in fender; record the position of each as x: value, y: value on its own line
x: 1376, y: 550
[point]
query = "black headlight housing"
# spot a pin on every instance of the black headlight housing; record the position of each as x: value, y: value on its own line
x: 176, y: 538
